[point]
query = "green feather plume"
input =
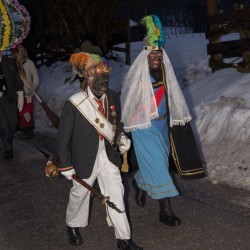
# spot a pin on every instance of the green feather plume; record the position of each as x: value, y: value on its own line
x: 153, y: 38
x: 96, y: 58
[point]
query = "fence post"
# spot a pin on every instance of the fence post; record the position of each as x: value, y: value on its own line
x: 128, y: 42
x: 244, y: 66
x: 212, y: 10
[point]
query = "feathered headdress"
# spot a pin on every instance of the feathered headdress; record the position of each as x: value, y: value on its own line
x: 88, y: 65
x: 155, y: 38
x: 14, y: 24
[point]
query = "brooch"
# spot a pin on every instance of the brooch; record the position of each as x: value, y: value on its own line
x: 113, y: 113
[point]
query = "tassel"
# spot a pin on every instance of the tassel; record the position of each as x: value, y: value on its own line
x: 125, y: 165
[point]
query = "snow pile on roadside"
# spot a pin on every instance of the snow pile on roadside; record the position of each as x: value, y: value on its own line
x: 222, y: 125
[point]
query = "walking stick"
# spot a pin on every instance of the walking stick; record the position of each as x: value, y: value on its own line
x: 51, y: 115
x: 51, y: 170
x: 105, y: 199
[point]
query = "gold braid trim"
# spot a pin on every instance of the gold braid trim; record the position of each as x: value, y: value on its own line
x: 157, y: 84
x: 164, y: 78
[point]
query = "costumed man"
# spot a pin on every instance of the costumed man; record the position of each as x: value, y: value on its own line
x: 152, y: 103
x: 11, y: 98
x: 89, y: 128
x: 28, y: 73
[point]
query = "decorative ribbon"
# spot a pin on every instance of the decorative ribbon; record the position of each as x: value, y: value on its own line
x: 159, y: 94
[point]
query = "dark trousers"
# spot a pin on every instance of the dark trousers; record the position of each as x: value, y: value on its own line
x: 8, y: 121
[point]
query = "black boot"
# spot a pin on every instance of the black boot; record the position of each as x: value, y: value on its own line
x: 127, y: 245
x: 74, y: 237
x: 140, y: 195
x: 29, y: 134
x: 8, y: 155
x: 167, y: 216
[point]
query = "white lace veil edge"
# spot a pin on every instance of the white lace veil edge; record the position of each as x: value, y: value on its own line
x: 137, y: 97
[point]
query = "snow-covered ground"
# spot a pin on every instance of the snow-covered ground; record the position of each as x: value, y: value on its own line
x: 219, y: 103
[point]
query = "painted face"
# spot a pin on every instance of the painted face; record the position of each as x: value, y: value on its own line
x: 99, y: 84
x: 155, y: 59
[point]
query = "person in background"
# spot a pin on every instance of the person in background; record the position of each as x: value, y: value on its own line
x: 28, y: 73
x: 11, y: 101
x: 90, y: 140
x: 152, y: 103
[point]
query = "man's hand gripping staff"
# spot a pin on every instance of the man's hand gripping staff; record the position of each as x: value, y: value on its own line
x: 124, y: 144
x: 52, y: 170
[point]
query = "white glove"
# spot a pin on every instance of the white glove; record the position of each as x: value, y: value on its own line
x: 20, y: 100
x: 124, y: 144
x: 68, y: 174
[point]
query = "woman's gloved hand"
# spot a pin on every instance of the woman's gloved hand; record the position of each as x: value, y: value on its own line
x: 20, y: 100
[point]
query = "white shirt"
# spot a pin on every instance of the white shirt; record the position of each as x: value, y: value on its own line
x: 101, y: 154
x: 92, y: 97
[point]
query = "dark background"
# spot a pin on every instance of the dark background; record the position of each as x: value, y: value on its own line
x: 58, y: 25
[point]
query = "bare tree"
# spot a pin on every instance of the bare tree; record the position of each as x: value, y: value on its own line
x: 63, y: 24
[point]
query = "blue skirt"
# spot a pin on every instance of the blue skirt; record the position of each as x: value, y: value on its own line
x: 152, y: 152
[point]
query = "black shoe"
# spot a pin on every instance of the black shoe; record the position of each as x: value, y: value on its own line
x: 8, y: 155
x: 127, y: 245
x: 29, y: 134
x: 74, y: 237
x: 167, y: 216
x: 140, y: 194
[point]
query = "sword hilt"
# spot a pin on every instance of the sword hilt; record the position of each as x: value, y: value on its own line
x: 113, y: 206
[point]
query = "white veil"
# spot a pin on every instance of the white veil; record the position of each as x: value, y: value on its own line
x: 137, y: 96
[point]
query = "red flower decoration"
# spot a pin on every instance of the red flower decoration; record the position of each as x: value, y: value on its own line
x: 112, y: 107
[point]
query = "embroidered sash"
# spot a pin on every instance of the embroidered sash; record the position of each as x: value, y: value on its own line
x: 81, y: 101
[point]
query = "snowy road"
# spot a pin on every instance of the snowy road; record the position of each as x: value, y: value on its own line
x: 32, y: 210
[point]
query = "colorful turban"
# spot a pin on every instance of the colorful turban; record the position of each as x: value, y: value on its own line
x: 88, y: 65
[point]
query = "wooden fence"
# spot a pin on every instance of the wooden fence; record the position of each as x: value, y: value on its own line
x: 235, y: 21
x: 120, y: 33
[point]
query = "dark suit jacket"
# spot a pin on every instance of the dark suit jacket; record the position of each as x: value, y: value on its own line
x: 78, y: 140
x: 13, y: 80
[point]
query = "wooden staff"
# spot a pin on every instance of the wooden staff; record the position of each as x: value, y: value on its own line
x: 51, y: 170
x: 125, y: 166
x: 51, y: 115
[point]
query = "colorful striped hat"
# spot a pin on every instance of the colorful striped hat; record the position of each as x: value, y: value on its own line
x: 88, y: 65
